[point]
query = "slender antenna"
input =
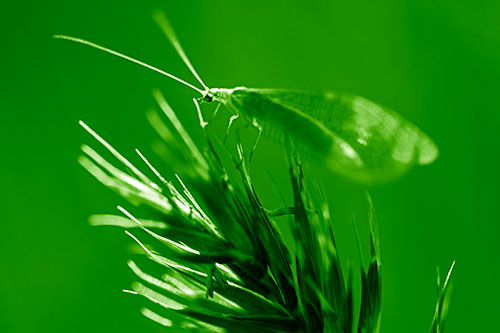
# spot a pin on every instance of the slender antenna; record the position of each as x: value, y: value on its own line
x: 167, y: 29
x: 105, y: 49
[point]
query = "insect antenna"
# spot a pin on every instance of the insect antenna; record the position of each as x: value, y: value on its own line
x: 162, y: 20
x: 118, y: 54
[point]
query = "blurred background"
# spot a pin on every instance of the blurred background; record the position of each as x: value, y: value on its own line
x: 435, y: 62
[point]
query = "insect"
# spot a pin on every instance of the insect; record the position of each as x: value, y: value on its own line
x: 351, y: 135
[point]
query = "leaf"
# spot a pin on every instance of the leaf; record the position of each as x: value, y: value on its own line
x: 369, y: 320
x: 123, y: 222
x: 308, y: 255
x: 267, y: 241
x: 442, y: 302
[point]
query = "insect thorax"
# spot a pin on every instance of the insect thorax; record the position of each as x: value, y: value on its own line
x: 221, y: 95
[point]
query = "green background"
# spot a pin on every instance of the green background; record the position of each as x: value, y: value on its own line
x: 435, y: 62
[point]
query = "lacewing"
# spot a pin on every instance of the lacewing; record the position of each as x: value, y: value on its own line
x: 351, y: 135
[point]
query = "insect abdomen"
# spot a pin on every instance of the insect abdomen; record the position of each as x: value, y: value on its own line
x: 307, y: 133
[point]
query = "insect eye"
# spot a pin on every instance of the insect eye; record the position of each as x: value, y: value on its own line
x: 208, y: 98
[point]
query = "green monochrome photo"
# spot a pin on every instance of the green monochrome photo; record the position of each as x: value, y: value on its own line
x: 250, y: 166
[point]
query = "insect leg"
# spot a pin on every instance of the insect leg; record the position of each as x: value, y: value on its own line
x: 231, y: 121
x: 215, y: 112
x: 203, y: 123
x: 259, y: 128
x: 209, y: 283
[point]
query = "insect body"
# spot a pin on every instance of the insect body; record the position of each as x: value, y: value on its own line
x: 351, y: 135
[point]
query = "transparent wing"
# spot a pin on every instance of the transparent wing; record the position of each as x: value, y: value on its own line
x: 387, y: 143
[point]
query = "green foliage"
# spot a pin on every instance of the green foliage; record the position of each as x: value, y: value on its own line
x: 369, y: 320
x: 220, y: 261
x: 442, y: 302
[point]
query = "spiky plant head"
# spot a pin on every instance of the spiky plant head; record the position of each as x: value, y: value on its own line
x: 210, y: 257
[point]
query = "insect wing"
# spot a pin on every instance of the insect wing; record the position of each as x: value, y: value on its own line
x: 387, y: 143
